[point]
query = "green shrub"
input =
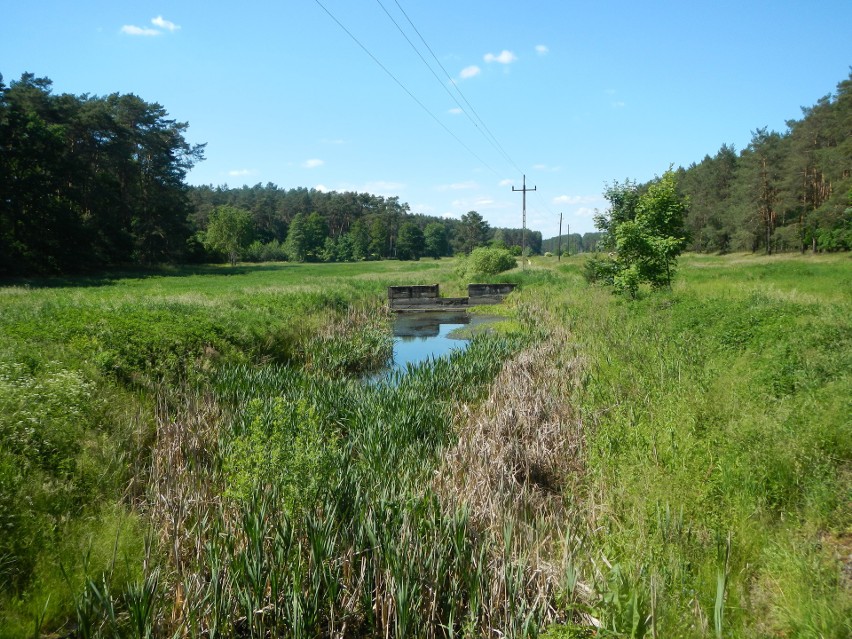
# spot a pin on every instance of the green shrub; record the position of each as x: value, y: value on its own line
x: 283, y: 445
x: 45, y: 419
x: 486, y: 261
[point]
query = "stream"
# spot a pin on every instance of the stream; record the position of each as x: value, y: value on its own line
x: 418, y: 337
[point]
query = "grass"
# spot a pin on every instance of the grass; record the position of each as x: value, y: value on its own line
x: 721, y: 411
x: 190, y: 452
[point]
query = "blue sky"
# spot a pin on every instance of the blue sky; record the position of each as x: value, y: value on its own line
x: 576, y: 94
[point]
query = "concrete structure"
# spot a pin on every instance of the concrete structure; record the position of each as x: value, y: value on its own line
x: 488, y: 293
x: 427, y: 297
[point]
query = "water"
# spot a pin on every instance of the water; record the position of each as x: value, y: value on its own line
x: 426, y: 335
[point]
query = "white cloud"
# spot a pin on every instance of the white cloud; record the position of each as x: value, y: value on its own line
x: 312, y: 163
x: 576, y: 199
x: 133, y: 30
x: 167, y: 25
x: 455, y: 111
x: 505, y: 182
x: 381, y: 187
x: 457, y: 186
x: 479, y: 203
x: 469, y: 72
x: 504, y: 57
x: 333, y: 141
x: 426, y: 209
x: 545, y: 167
x: 542, y: 49
x: 618, y: 105
x: 585, y: 211
x: 322, y: 188
x: 239, y: 172
x: 163, y: 24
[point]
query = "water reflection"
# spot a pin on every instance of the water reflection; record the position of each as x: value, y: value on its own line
x: 419, y: 336
x: 425, y: 335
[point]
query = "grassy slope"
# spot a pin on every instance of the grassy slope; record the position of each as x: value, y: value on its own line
x: 81, y: 362
x: 717, y: 415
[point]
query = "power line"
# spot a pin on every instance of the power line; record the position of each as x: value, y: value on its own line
x: 543, y: 204
x: 404, y: 88
x: 524, y: 190
x: 495, y: 142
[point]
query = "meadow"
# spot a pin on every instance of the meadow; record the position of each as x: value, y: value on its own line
x: 191, y: 452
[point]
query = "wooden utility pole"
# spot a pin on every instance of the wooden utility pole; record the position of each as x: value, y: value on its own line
x: 559, y: 240
x: 524, y: 190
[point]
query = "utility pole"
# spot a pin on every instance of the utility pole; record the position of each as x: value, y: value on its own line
x: 559, y: 240
x: 524, y: 190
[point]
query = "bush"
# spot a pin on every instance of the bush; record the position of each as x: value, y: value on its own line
x: 283, y: 444
x: 600, y: 269
x: 486, y: 261
x: 272, y: 251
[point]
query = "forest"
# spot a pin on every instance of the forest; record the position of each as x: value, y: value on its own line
x: 301, y: 224
x: 788, y: 191
x: 93, y: 182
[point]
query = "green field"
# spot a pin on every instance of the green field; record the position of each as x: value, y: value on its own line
x: 190, y: 452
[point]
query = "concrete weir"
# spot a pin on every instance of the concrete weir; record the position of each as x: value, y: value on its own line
x: 427, y: 297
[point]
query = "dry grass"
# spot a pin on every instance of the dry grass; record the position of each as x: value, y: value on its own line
x: 517, y: 467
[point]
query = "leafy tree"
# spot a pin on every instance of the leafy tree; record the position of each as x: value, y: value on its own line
x: 229, y: 231
x: 435, y: 238
x: 473, y: 231
x: 330, y: 249
x: 296, y: 244
x: 360, y: 241
x: 410, y: 242
x: 498, y: 240
x: 379, y: 233
x: 345, y: 248
x: 316, y: 231
x: 645, y: 232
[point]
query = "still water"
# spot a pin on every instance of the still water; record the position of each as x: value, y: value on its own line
x: 421, y: 336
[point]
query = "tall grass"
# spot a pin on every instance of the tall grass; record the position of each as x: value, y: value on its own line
x: 676, y: 466
x: 717, y: 430
x: 366, y: 548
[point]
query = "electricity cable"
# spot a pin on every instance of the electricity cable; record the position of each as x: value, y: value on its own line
x: 404, y: 88
x: 458, y: 90
x: 491, y: 140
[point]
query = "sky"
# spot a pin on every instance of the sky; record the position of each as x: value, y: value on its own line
x: 446, y: 104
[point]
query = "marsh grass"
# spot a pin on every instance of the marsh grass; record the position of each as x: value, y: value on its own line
x: 676, y: 466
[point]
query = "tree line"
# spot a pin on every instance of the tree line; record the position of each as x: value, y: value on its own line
x: 788, y: 191
x: 88, y: 182
x: 572, y: 243
x: 301, y: 224
x: 94, y: 182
